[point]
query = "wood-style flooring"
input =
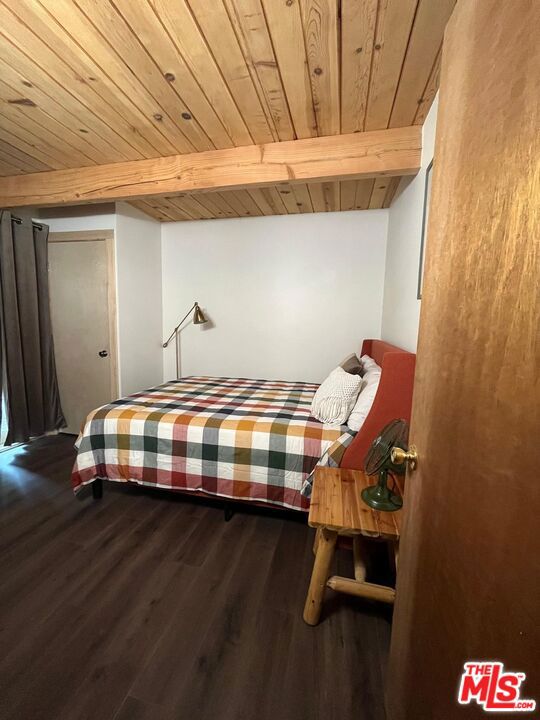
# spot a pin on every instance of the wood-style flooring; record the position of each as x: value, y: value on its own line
x: 146, y: 605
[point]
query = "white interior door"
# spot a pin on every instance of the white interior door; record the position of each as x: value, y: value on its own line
x: 80, y: 298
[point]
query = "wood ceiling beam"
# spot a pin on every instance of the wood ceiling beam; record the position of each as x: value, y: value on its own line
x: 393, y: 152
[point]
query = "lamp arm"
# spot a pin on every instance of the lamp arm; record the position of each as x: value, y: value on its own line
x: 168, y: 340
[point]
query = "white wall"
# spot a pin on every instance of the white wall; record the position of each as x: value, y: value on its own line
x: 88, y: 222
x: 288, y: 296
x: 401, y: 309
x: 139, y: 299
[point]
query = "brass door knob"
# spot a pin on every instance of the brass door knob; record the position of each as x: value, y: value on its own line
x: 400, y: 456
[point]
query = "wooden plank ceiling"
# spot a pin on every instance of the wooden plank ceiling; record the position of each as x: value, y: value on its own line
x: 86, y: 82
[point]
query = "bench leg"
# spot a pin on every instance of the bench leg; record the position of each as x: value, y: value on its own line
x: 316, y: 540
x: 97, y: 489
x: 321, y: 567
x: 360, y: 558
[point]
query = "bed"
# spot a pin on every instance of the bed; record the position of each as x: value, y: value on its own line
x: 234, y: 438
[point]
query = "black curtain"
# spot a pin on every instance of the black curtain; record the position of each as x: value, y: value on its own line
x: 29, y: 373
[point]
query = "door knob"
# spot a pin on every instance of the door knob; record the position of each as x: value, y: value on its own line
x: 103, y: 353
x: 399, y: 456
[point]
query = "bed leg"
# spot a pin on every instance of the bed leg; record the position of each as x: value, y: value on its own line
x: 228, y: 511
x: 97, y: 489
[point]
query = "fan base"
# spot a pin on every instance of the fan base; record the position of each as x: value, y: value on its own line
x: 381, y: 498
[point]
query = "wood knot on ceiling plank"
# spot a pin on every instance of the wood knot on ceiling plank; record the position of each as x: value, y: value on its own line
x: 23, y: 101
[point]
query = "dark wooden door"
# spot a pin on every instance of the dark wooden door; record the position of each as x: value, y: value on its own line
x: 468, y: 584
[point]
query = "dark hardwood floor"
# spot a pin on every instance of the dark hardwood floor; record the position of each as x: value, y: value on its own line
x: 147, y: 605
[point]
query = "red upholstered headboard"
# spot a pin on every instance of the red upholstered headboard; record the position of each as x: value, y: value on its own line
x: 393, y: 398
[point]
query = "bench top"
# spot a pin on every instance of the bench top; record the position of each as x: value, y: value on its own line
x: 336, y: 504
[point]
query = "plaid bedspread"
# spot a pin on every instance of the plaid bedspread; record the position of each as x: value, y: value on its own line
x: 231, y: 437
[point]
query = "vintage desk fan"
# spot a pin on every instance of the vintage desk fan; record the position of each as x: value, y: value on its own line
x: 387, y: 455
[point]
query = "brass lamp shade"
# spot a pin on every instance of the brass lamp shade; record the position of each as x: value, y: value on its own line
x: 199, y: 318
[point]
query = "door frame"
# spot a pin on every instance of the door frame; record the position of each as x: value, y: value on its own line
x: 106, y: 236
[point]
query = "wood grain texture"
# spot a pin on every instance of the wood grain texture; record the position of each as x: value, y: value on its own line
x: 358, y: 23
x: 91, y: 82
x: 378, y: 193
x: 69, y: 29
x: 148, y: 606
x: 56, y: 102
x: 62, y: 114
x: 303, y: 198
x: 282, y: 199
x: 7, y: 167
x: 45, y: 131
x: 391, y: 191
x: 187, y: 106
x: 337, y: 509
x: 347, y: 194
x: 325, y: 197
x: 320, y: 22
x: 424, y: 44
x: 12, y: 153
x: 388, y: 152
x: 350, y: 586
x: 288, y: 198
x: 286, y: 31
x: 476, y: 594
x: 394, y: 24
x: 19, y: 40
x: 364, y: 190
x: 189, y: 45
x: 249, y: 23
x: 326, y: 544
x: 430, y: 91
x: 336, y: 504
x: 218, y: 32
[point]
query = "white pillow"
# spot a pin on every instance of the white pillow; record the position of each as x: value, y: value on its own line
x: 335, y: 398
x: 365, y: 400
x: 369, y: 362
